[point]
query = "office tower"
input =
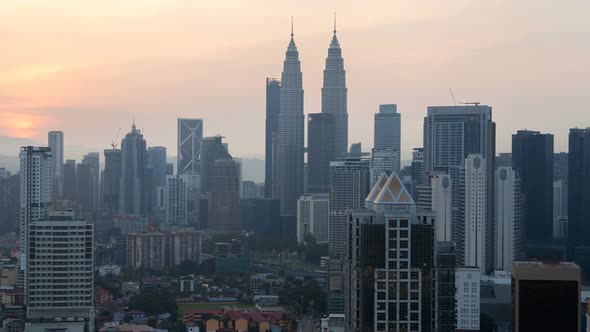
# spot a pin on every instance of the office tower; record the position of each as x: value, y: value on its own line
x: 312, y: 217
x: 36, y: 178
x: 224, y: 211
x: 185, y: 245
x: 175, y: 200
x: 273, y: 106
x: 387, y: 131
x: 169, y: 169
x: 190, y: 136
x: 532, y: 159
x: 133, y: 191
x: 476, y: 214
x: 417, y: 168
x: 446, y: 263
x: 509, y: 219
x: 578, y: 189
x: 382, y: 161
x: 467, y: 297
x: 92, y: 159
x: 69, y: 180
x: 275, y: 166
x: 9, y: 203
x: 552, y: 289
x: 55, y: 283
x: 559, y: 211
x: 261, y: 215
x: 56, y: 144
x: 156, y: 159
x: 290, y: 144
x: 356, y: 150
x: 334, y: 95
x: 451, y: 134
x: 147, y: 250
x: 441, y: 186
x: 390, y: 246
x: 321, y: 130
x: 111, y: 181
x: 212, y: 149
x: 249, y: 190
x: 349, y: 186
x: 84, y: 188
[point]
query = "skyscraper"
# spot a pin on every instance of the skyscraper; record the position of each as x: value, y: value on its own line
x: 56, y: 144
x: 349, y: 186
x: 36, y: 177
x: 451, y: 134
x: 387, y: 131
x: 442, y: 190
x: 579, y: 189
x: 509, y: 222
x: 92, y: 159
x: 334, y: 95
x: 156, y: 159
x: 320, y: 151
x: 383, y: 161
x: 273, y: 107
x: 312, y: 217
x: 111, y: 181
x: 476, y: 214
x: 290, y: 145
x: 175, y: 200
x: 133, y: 194
x: 69, y: 180
x: 190, y: 135
x: 212, y: 149
x: 532, y: 159
x: 224, y: 211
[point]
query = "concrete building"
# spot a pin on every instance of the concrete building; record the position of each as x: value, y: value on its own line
x: 273, y: 106
x: 349, y: 186
x: 383, y: 161
x: 509, y: 219
x: 476, y: 214
x: 387, y: 132
x: 111, y: 182
x: 147, y: 250
x: 321, y: 133
x: 551, y: 288
x: 335, y: 96
x: 69, y: 180
x: 224, y: 207
x: 92, y: 159
x: 441, y: 199
x: 133, y: 190
x: 291, y: 133
x: 446, y: 263
x: 55, y: 141
x: 312, y: 217
x: 467, y: 298
x: 212, y: 149
x: 578, y: 189
x: 36, y: 179
x: 175, y: 200
x: 190, y: 136
x: 185, y: 245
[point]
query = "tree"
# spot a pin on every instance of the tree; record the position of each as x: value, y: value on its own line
x: 154, y: 301
x: 305, y: 296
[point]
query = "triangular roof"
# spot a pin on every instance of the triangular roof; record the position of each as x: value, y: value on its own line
x: 394, y: 192
x: 377, y: 187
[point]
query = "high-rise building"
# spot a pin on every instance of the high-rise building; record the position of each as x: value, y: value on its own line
x: 147, y: 250
x: 467, y: 297
x: 156, y: 159
x: 111, y: 181
x: 549, y: 288
x: 56, y: 144
x: 509, y: 222
x: 212, y: 149
x: 92, y: 159
x: 69, y: 180
x: 224, y: 207
x: 476, y: 214
x: 36, y: 178
x: 133, y: 191
x: 60, y: 279
x: 190, y: 136
x: 84, y: 188
x: 334, y: 95
x: 273, y: 107
x: 185, y: 245
x: 446, y: 263
x: 387, y: 131
x: 321, y: 130
x: 290, y: 144
x: 356, y: 150
x: 312, y: 217
x: 559, y: 210
x: 451, y: 134
x: 560, y: 171
x: 532, y: 159
x: 441, y: 186
x: 261, y: 215
x: 175, y: 200
x: 383, y: 161
x: 349, y: 186
x: 578, y: 189
x: 417, y: 169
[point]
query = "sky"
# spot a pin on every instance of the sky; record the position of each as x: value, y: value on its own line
x: 89, y: 68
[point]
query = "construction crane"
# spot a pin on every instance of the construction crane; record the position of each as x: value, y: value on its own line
x: 114, y: 141
x: 473, y: 103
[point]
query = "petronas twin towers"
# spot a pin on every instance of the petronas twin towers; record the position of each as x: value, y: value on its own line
x: 290, y: 149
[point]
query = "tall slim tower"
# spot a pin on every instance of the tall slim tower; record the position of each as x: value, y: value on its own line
x: 476, y: 215
x: 56, y: 144
x: 190, y: 135
x: 387, y: 131
x: 132, y: 194
x: 35, y: 195
x: 509, y: 224
x: 334, y: 95
x: 579, y: 189
x: 320, y: 150
x: 224, y: 212
x: 290, y: 149
x: 273, y: 107
x: 111, y: 181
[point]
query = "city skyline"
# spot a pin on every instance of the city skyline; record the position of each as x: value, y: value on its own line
x: 45, y: 87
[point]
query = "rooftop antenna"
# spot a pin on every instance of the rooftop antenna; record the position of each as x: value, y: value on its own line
x: 453, y: 95
x: 334, y: 22
x: 291, y: 26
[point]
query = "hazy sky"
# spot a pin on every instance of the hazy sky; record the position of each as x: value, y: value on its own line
x: 89, y: 67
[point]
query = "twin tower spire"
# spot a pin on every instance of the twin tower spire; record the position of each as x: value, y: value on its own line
x: 290, y: 147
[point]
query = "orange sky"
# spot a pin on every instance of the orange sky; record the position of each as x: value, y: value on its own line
x: 89, y: 67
